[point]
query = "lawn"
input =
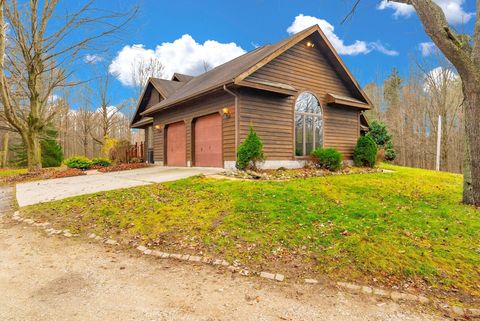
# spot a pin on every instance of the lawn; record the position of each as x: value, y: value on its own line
x: 405, y: 228
x: 4, y: 172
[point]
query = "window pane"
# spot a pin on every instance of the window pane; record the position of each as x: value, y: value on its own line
x: 318, y: 132
x: 298, y: 135
x: 309, y: 126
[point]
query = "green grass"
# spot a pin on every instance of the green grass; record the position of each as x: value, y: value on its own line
x: 5, y: 172
x: 395, y: 227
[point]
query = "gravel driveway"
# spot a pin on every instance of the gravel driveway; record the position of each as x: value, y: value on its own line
x: 53, y: 278
x: 60, y: 188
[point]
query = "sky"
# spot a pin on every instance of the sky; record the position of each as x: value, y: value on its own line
x: 187, y: 35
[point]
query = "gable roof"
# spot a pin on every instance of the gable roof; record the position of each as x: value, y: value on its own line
x: 165, y: 87
x: 181, y: 77
x: 236, y: 70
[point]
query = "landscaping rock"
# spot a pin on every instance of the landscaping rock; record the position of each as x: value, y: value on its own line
x: 381, y: 292
x: 157, y: 253
x: 474, y: 313
x: 279, y: 277
x: 185, y: 257
x: 195, y: 258
x: 141, y: 248
x: 92, y: 236
x: 176, y: 256
x: 147, y: 252
x: 349, y: 286
x: 67, y: 234
x: 367, y: 289
x: 311, y: 281
x: 267, y: 275
x: 111, y: 242
x: 245, y: 272
x: 456, y: 310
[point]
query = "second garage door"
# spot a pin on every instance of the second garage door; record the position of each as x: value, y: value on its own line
x: 208, y: 141
x: 176, y: 144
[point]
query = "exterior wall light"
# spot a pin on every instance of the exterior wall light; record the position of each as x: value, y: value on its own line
x: 158, y: 127
x: 226, y: 112
x: 310, y: 44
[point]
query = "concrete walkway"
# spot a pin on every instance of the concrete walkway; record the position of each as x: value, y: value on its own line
x: 60, y: 188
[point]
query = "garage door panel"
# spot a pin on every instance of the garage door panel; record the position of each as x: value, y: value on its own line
x: 176, y: 144
x: 208, y: 141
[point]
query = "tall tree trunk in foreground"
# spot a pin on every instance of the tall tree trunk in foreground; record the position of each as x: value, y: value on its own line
x: 463, y: 52
x: 471, y: 182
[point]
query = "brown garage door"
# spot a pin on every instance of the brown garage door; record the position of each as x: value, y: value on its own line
x: 208, y: 141
x: 176, y: 144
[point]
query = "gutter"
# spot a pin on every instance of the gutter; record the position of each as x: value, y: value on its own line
x: 237, y: 118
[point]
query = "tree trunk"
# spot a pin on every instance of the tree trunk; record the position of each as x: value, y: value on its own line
x: 471, y: 179
x: 34, y: 152
x: 444, y: 144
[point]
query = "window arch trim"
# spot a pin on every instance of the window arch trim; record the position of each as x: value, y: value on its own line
x: 303, y: 149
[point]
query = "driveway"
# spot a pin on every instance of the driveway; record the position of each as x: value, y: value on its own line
x: 60, y: 188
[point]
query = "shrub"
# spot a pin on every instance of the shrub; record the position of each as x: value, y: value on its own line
x: 250, y: 152
x: 101, y: 161
x: 390, y: 153
x: 135, y: 160
x: 328, y: 158
x: 365, y: 153
x: 79, y: 162
x: 379, y: 132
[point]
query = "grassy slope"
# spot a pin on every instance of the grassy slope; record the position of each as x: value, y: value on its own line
x: 407, y: 225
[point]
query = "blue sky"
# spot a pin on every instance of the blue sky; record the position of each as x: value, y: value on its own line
x: 374, y: 40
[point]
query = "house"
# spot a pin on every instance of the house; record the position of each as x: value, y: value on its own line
x: 297, y: 94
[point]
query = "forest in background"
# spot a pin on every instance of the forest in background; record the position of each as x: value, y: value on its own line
x: 410, y: 107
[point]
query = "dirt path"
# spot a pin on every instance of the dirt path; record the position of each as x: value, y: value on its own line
x: 53, y: 278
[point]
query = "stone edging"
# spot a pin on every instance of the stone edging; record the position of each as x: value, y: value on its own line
x: 244, y: 271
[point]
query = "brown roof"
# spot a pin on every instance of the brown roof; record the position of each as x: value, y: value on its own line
x: 166, y: 87
x: 236, y: 70
x: 181, y: 77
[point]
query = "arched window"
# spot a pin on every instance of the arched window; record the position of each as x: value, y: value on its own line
x: 308, y: 124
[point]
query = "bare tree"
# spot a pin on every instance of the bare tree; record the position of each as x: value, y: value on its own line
x: 107, y: 117
x: 463, y: 51
x: 36, y: 59
x: 142, y: 70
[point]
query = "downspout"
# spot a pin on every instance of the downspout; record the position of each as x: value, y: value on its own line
x: 237, y: 118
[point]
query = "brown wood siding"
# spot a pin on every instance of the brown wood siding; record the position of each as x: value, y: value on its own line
x: 188, y: 111
x: 306, y: 69
x: 271, y: 116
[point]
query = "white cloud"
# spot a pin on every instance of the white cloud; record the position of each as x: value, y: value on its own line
x: 92, y: 59
x: 427, y: 48
x: 378, y: 46
x: 453, y: 10
x: 436, y: 78
x: 302, y: 22
x: 183, y: 55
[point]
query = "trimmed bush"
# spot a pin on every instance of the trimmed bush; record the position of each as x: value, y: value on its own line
x: 327, y: 158
x: 365, y: 153
x: 390, y: 153
x: 101, y: 161
x: 250, y: 152
x: 379, y: 132
x: 79, y: 162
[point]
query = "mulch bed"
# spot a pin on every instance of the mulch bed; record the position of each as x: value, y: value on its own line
x: 306, y: 172
x: 46, y: 173
x: 122, y: 167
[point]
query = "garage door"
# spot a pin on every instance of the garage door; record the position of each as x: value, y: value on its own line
x: 176, y: 144
x: 208, y: 141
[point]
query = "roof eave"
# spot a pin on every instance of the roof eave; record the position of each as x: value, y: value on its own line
x: 157, y: 108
